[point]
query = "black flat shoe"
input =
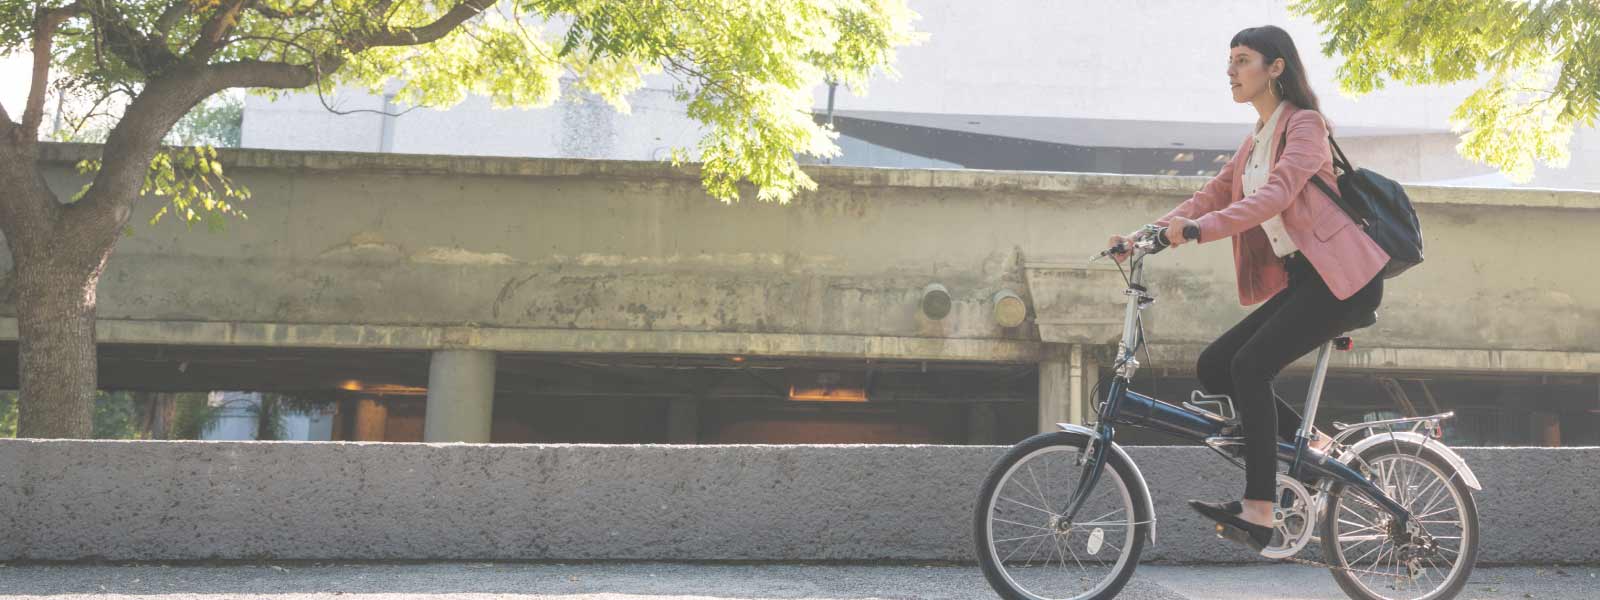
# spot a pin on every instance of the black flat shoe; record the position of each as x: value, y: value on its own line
x: 1230, y: 526
x: 1233, y: 508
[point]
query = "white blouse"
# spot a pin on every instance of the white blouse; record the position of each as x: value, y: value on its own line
x: 1255, y: 176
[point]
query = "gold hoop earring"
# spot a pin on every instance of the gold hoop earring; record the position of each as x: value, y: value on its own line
x: 1277, y: 85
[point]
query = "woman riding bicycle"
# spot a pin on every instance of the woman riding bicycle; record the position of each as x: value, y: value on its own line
x: 1292, y: 247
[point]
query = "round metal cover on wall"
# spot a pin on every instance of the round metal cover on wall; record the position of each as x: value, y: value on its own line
x: 935, y: 301
x: 1009, y: 309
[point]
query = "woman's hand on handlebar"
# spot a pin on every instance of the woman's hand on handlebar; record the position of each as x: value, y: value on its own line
x: 1176, y: 228
x: 1125, y: 243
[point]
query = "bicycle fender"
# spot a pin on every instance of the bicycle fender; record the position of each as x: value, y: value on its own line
x: 1149, y: 503
x: 1450, y: 456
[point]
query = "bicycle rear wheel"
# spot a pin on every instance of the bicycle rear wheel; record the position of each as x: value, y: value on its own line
x: 1026, y: 547
x: 1378, y: 564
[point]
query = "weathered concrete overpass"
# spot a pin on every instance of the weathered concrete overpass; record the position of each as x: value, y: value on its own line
x: 468, y: 258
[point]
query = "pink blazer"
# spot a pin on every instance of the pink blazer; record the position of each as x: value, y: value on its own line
x: 1339, y: 250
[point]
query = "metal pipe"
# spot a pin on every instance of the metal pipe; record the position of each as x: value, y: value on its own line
x: 1314, y: 395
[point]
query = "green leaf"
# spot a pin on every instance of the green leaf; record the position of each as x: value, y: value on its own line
x: 1538, y: 64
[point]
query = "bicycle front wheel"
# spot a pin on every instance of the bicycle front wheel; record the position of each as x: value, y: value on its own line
x: 1029, y: 551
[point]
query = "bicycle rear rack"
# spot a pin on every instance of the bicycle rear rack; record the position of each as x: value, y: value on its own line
x: 1427, y: 425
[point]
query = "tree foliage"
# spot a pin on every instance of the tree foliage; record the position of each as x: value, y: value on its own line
x: 1538, y: 63
x: 8, y: 414
x: 745, y: 68
x: 115, y: 416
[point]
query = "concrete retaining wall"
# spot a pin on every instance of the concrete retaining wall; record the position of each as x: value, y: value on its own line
x: 67, y: 500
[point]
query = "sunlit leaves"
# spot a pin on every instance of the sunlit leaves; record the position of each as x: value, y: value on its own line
x: 746, y: 69
x: 193, y: 184
x: 1538, y: 64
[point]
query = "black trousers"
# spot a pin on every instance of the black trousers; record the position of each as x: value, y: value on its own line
x: 1244, y: 361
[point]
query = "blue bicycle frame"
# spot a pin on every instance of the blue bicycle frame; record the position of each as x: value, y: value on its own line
x: 1123, y: 406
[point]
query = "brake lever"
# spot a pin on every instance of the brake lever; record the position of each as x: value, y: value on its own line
x: 1108, y: 252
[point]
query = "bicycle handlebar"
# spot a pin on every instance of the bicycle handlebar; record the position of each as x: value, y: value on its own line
x: 1153, y: 240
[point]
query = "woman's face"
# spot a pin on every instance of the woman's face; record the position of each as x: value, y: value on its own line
x: 1248, y: 73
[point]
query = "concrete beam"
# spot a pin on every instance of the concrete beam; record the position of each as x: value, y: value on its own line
x: 347, y: 251
x: 508, y: 339
x: 1089, y: 184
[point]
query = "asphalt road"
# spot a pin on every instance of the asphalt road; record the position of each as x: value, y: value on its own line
x: 681, y: 581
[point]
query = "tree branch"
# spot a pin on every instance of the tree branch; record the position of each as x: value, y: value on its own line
x: 289, y: 13
x: 44, y: 31
x: 128, y: 150
x: 148, y: 55
x: 261, y: 74
x: 169, y: 17
x: 215, y: 29
x: 137, y: 137
x: 427, y: 33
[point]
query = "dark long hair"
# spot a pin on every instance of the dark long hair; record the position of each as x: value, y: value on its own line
x: 1274, y: 43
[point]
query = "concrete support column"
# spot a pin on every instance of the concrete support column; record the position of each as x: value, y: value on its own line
x: 1055, y: 386
x: 1087, y: 374
x: 980, y: 423
x: 1066, y: 376
x: 460, y: 396
x: 683, y: 421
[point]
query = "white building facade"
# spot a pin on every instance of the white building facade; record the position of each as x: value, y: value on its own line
x: 1124, y: 87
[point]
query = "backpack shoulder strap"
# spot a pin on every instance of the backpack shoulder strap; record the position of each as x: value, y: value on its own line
x: 1340, y: 162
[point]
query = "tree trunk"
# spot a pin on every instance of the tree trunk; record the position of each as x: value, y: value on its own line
x: 55, y: 268
x: 57, y: 366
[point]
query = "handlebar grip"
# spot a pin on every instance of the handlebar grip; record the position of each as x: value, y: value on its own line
x: 1158, y: 237
x: 1191, y: 232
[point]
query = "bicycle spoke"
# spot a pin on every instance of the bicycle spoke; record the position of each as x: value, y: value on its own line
x: 1014, y: 551
x: 1353, y: 533
x: 1042, y: 499
x: 1439, y: 496
x: 1114, y: 547
x: 1431, y: 584
x: 1423, y: 492
x: 1026, y: 537
x: 1108, y: 514
x: 1035, y: 552
x: 1024, y: 525
x: 1060, y: 544
x: 1379, y: 547
x: 1026, y: 505
x: 1123, y: 524
x: 1370, y: 504
x: 1437, y: 512
x: 1364, y: 520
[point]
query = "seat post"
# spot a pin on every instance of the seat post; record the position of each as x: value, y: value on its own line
x: 1315, y: 393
